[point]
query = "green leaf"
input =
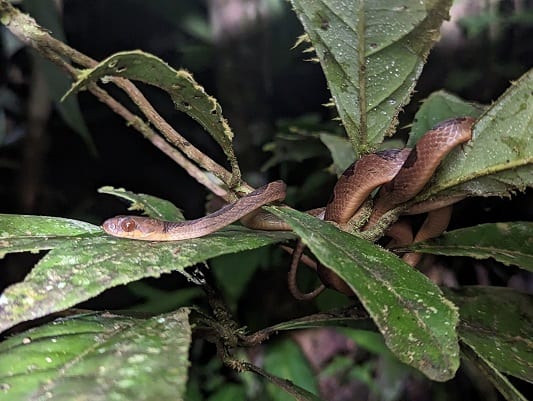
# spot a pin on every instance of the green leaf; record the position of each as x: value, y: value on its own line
x: 499, y: 159
x: 285, y: 359
x: 372, y: 53
x: 418, y: 323
x: 161, y: 301
x: 496, y: 324
x: 508, y: 243
x: 29, y: 226
x: 188, y: 96
x: 440, y: 106
x: 367, y: 340
x: 98, y: 357
x: 297, y: 393
x: 23, y: 233
x: 154, y: 207
x: 86, y: 262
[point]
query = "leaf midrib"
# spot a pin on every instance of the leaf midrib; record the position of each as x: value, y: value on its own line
x: 415, y: 312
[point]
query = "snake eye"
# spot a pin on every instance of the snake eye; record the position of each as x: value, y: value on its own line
x: 128, y: 225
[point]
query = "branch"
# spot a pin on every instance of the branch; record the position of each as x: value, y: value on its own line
x: 28, y: 31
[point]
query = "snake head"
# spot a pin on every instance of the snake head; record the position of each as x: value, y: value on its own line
x: 136, y: 227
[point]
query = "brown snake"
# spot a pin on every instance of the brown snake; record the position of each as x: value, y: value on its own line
x: 401, y: 173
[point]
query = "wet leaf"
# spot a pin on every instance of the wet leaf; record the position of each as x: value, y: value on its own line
x: 98, y: 357
x: 496, y: 324
x: 23, y: 233
x: 372, y: 53
x: 417, y: 322
x: 85, y: 261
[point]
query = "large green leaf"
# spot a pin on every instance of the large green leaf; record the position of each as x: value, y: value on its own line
x: 188, y: 96
x: 509, y: 243
x: 496, y: 324
x: 98, y: 357
x: 85, y: 261
x: 418, y: 323
x: 25, y: 233
x: 499, y: 158
x: 372, y: 53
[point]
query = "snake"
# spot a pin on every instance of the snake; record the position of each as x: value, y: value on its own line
x: 400, y: 174
x: 149, y: 229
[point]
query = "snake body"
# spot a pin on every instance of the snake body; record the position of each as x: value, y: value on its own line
x: 148, y: 229
x: 421, y: 164
x: 360, y: 179
x: 402, y: 174
x: 417, y: 167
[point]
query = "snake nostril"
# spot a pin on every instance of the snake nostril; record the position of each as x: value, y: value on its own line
x: 108, y: 226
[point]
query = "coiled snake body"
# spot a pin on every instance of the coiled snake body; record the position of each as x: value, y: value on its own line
x: 401, y: 173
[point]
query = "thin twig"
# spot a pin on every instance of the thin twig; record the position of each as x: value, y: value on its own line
x: 169, y: 132
x: 28, y: 31
x: 193, y: 170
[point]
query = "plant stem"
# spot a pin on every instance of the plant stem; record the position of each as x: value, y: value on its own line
x: 28, y: 31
